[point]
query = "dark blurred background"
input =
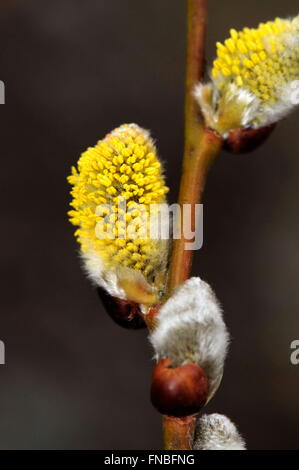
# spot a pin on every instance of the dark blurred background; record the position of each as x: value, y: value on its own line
x: 73, y: 71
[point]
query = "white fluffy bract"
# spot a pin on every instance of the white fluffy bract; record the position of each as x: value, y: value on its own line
x: 249, y: 111
x: 191, y: 329
x: 217, y: 432
x: 242, y: 106
x: 94, y: 268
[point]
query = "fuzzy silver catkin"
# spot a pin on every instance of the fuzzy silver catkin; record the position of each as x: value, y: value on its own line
x: 191, y: 329
x: 217, y: 432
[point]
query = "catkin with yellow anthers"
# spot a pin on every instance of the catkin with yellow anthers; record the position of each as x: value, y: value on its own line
x: 260, y: 60
x: 253, y: 77
x: 114, y: 187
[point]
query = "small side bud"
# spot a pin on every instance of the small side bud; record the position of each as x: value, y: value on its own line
x: 246, y: 140
x: 217, y: 432
x: 124, y: 312
x: 151, y: 316
x: 179, y: 391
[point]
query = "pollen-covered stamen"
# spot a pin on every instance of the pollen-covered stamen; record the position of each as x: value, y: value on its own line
x: 260, y: 60
x: 254, y: 77
x: 114, y: 187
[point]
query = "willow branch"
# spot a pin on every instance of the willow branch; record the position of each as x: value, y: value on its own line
x: 201, y: 148
x: 178, y: 433
x: 201, y: 145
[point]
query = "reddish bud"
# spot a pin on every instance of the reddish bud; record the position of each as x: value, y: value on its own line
x: 179, y: 391
x: 247, y: 140
x: 124, y: 312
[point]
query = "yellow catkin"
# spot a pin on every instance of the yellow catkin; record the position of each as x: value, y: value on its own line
x: 260, y: 60
x: 122, y: 167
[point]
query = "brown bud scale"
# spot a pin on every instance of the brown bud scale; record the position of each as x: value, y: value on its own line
x: 124, y: 312
x: 247, y: 140
x: 179, y: 391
